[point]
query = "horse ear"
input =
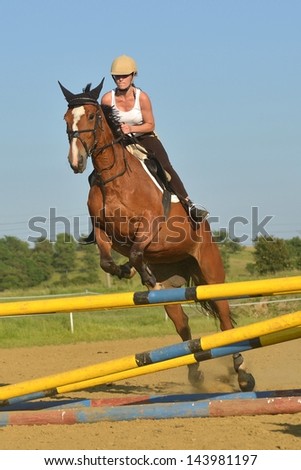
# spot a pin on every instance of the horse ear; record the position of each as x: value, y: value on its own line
x: 67, y: 94
x: 96, y: 91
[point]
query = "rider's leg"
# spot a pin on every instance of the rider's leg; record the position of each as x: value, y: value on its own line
x: 91, y: 237
x: 154, y: 147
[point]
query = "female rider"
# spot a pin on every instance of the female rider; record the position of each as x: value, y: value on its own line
x: 133, y: 108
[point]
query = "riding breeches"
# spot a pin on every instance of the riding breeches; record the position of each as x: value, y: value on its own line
x: 155, y: 150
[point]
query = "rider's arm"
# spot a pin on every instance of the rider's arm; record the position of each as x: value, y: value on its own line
x: 148, y: 124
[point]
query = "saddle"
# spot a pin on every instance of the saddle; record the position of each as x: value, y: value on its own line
x: 157, y: 171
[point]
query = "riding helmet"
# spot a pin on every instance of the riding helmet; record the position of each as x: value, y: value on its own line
x: 123, y: 65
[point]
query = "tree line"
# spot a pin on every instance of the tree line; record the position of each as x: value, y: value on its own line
x: 271, y: 254
x: 23, y: 266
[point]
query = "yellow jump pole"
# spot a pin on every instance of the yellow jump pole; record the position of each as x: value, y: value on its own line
x: 265, y: 340
x: 229, y: 290
x: 223, y: 338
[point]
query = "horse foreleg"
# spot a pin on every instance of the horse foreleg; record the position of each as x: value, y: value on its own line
x: 181, y: 323
x: 142, y: 239
x: 136, y: 260
x: 106, y: 261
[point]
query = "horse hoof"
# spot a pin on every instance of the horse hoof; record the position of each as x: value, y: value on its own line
x: 127, y: 271
x: 246, y: 381
x: 150, y: 282
x: 148, y: 279
x: 237, y: 361
x: 196, y: 377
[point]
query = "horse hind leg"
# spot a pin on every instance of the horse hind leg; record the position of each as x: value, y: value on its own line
x: 245, y: 379
x: 208, y: 269
x: 181, y: 323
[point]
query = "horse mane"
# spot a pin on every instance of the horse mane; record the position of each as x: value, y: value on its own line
x: 112, y: 119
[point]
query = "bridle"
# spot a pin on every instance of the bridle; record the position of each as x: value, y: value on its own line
x: 77, y: 134
x: 94, y: 151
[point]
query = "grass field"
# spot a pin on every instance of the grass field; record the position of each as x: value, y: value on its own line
x: 66, y: 328
x: 38, y: 330
x: 238, y: 262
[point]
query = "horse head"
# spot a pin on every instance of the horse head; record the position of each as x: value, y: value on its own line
x: 81, y: 120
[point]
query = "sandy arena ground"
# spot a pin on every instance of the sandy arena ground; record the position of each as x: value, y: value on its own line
x: 274, y: 367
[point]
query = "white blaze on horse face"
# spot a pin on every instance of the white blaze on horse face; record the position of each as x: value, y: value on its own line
x: 78, y: 160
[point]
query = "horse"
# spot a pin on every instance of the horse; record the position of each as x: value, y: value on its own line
x: 137, y: 217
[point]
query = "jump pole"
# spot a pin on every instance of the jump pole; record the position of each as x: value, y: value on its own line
x: 231, y: 290
x: 272, y: 338
x: 200, y: 356
x: 195, y: 409
x: 266, y: 340
x: 129, y: 365
x: 148, y: 399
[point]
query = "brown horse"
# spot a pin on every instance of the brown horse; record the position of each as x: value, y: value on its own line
x: 128, y: 208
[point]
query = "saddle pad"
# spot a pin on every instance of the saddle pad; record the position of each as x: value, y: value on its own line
x: 139, y: 152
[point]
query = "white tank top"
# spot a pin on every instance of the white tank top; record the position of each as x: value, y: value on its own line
x: 132, y: 117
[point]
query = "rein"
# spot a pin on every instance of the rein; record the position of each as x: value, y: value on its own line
x: 112, y: 144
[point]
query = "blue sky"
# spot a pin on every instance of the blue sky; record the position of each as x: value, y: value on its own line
x: 224, y: 78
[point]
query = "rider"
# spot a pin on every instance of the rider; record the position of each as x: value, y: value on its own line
x: 133, y: 108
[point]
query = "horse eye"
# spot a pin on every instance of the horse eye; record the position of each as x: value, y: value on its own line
x: 91, y: 117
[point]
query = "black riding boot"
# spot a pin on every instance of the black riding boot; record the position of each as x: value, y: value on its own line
x: 89, y: 239
x: 196, y: 214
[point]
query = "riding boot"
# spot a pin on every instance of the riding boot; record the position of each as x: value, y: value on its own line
x: 89, y: 239
x: 196, y: 214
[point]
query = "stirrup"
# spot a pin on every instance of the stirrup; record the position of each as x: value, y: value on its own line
x: 197, y: 214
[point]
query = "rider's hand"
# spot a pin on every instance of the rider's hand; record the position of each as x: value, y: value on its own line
x: 126, y: 129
